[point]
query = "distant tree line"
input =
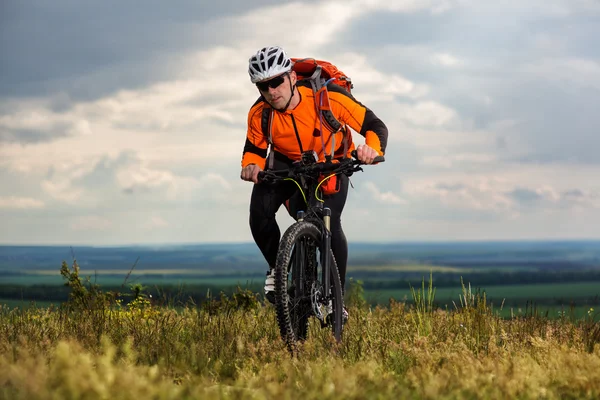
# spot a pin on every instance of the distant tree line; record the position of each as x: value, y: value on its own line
x: 372, y: 281
x: 160, y: 294
x: 375, y: 281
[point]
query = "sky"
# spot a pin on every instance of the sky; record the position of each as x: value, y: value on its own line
x: 124, y: 123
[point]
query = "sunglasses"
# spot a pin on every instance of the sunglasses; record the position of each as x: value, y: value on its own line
x: 271, y: 83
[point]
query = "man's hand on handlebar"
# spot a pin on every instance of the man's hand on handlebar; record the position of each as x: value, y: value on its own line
x: 366, y: 154
x: 250, y: 173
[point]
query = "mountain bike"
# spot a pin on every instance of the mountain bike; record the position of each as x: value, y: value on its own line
x: 307, y: 281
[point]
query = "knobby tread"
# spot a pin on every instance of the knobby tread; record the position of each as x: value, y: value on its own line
x: 289, y: 239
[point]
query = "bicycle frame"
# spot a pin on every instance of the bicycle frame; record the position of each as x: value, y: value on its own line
x: 305, y: 173
x: 320, y: 216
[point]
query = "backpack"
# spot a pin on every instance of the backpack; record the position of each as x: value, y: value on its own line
x: 306, y: 67
x: 319, y: 74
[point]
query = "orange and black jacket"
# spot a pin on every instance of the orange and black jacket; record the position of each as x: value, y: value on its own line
x: 292, y: 130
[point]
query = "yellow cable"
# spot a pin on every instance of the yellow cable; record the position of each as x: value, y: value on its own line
x: 319, y: 185
x: 299, y: 187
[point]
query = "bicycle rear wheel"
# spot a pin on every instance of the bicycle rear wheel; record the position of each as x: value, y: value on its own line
x: 298, y: 290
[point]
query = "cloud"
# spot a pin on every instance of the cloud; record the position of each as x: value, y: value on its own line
x: 34, y: 122
x: 481, y: 194
x: 528, y: 196
x: 456, y: 160
x: 498, y: 196
x: 548, y: 197
x: 91, y: 223
x: 447, y: 60
x: 20, y: 203
x: 429, y: 114
x: 62, y: 190
x: 384, y: 197
x: 567, y: 72
x: 363, y: 72
x: 92, y: 50
x: 139, y: 177
x: 156, y: 222
x: 408, y: 6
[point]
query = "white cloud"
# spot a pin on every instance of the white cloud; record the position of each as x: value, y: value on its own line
x: 62, y: 190
x: 91, y: 223
x: 20, y: 203
x: 582, y: 72
x: 358, y: 67
x: 428, y: 114
x: 408, y: 6
x: 447, y: 60
x: 476, y: 194
x: 156, y: 222
x: 387, y: 197
x: 34, y: 121
x: 498, y: 195
x: 141, y: 177
x: 453, y: 160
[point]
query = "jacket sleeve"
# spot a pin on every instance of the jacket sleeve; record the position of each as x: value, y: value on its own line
x: 360, y: 118
x: 255, y: 148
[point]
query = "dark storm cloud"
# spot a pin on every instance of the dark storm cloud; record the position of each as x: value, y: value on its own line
x: 51, y: 46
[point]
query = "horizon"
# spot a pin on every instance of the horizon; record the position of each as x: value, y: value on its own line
x: 350, y: 243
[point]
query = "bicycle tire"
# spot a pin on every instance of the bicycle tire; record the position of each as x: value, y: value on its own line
x: 293, y: 313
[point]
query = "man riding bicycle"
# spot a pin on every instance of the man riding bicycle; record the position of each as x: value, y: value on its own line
x: 292, y: 130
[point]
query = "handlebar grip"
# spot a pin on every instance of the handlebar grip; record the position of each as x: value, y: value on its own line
x: 376, y: 160
x: 261, y: 175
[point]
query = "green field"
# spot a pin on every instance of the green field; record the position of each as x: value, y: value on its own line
x: 117, y: 279
x: 12, y: 303
x: 553, y: 294
x: 182, y: 284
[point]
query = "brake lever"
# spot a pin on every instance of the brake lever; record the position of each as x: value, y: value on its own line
x: 264, y: 177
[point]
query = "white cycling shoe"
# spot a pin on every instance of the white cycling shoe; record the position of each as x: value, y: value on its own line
x: 270, y: 286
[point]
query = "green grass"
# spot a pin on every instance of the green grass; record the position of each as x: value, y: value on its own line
x: 12, y: 303
x: 557, y: 291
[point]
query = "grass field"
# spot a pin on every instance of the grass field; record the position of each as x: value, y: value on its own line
x: 234, y: 351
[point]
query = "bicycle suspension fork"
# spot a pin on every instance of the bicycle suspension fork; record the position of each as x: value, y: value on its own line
x: 325, y: 258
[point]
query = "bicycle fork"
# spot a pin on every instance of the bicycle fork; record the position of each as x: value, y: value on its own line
x: 325, y: 259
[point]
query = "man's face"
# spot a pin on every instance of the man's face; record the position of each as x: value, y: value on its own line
x: 277, y: 89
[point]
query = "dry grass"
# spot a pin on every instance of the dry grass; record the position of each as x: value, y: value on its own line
x: 160, y: 353
x: 231, y: 349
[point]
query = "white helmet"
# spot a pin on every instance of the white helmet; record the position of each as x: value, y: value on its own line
x: 267, y: 63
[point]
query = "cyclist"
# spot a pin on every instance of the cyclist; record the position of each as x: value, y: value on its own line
x: 292, y: 127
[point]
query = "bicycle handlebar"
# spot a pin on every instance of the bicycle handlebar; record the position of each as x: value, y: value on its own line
x: 346, y: 165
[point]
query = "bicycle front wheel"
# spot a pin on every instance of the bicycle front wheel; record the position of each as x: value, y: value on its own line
x: 298, y: 290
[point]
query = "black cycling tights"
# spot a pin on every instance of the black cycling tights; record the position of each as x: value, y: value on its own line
x: 266, y: 200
